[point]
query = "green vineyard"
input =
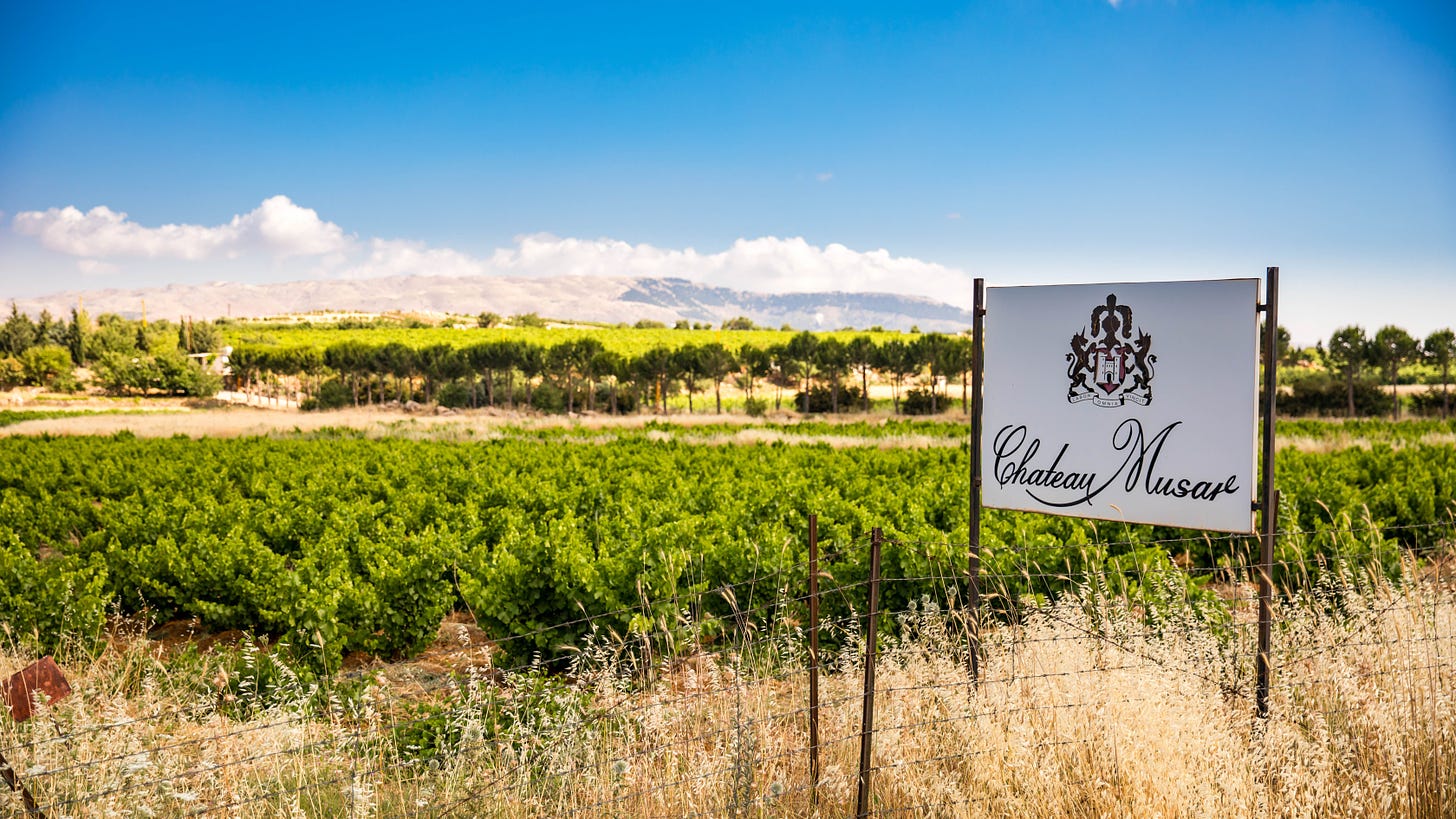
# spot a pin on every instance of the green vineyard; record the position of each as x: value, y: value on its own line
x: 364, y: 545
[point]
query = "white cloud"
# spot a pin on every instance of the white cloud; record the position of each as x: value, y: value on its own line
x: 276, y: 226
x: 103, y: 240
x: 92, y: 267
x: 394, y: 257
x: 824, y: 176
x: 765, y: 264
x: 289, y: 230
x: 953, y: 216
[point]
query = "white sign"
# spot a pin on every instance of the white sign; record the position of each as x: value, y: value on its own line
x: 1130, y: 402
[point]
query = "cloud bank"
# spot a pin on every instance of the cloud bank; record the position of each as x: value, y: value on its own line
x: 276, y: 226
x: 766, y: 264
x: 281, y: 229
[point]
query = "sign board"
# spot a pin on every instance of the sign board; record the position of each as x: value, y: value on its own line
x: 1129, y: 402
x: 18, y: 691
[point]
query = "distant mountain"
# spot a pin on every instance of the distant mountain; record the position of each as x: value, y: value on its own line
x: 567, y: 297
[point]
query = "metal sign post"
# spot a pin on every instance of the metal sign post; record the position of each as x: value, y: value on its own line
x: 1269, y: 496
x: 813, y: 660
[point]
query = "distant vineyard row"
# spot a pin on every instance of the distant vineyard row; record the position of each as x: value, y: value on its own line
x: 626, y: 341
x: 366, y: 544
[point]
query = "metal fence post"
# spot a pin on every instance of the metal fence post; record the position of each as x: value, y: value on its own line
x: 813, y: 660
x: 867, y: 720
x: 978, y: 338
x: 13, y: 780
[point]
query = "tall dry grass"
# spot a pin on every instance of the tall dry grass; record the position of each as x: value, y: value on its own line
x: 1091, y: 706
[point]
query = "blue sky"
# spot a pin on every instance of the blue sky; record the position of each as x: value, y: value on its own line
x: 878, y: 146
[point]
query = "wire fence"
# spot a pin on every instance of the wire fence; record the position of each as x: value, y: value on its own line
x: 1120, y: 686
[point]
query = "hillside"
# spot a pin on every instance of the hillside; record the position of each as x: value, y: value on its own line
x: 580, y: 298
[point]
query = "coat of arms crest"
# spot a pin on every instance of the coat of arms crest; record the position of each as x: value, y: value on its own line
x: 1108, y: 366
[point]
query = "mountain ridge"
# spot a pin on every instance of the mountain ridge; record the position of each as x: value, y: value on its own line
x: 581, y: 298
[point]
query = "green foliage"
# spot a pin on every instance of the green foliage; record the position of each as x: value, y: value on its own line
x: 1347, y: 355
x: 548, y: 398
x: 526, y: 320
x: 199, y: 337
x: 1366, y: 430
x: 628, y: 341
x: 12, y: 372
x: 1436, y: 401
x: 8, y: 417
x: 1391, y: 349
x: 921, y: 402
x: 49, y: 366
x: 355, y: 544
x: 168, y: 372
x: 455, y: 394
x: 17, y: 334
x: 829, y: 399
x: 331, y: 394
x: 1439, y: 351
x: 1320, y: 393
x: 50, y: 602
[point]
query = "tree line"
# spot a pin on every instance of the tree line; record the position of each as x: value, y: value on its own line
x: 123, y: 356
x: 818, y: 372
x: 1357, y: 365
x: 1352, y: 373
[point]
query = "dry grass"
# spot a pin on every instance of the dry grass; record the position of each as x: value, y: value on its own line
x: 1084, y: 710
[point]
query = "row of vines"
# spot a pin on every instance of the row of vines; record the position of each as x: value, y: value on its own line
x: 355, y: 544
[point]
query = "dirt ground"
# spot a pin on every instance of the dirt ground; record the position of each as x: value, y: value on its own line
x: 168, y: 417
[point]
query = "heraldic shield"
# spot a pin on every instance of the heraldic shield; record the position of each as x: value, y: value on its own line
x: 1107, y: 366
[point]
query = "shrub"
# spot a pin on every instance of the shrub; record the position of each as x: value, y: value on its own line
x: 922, y: 402
x: 331, y: 394
x: 12, y: 372
x: 1319, y: 393
x: 626, y: 399
x: 548, y: 398
x: 170, y: 372
x: 49, y: 366
x: 455, y: 394
x: 1431, y: 402
x: 822, y: 400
